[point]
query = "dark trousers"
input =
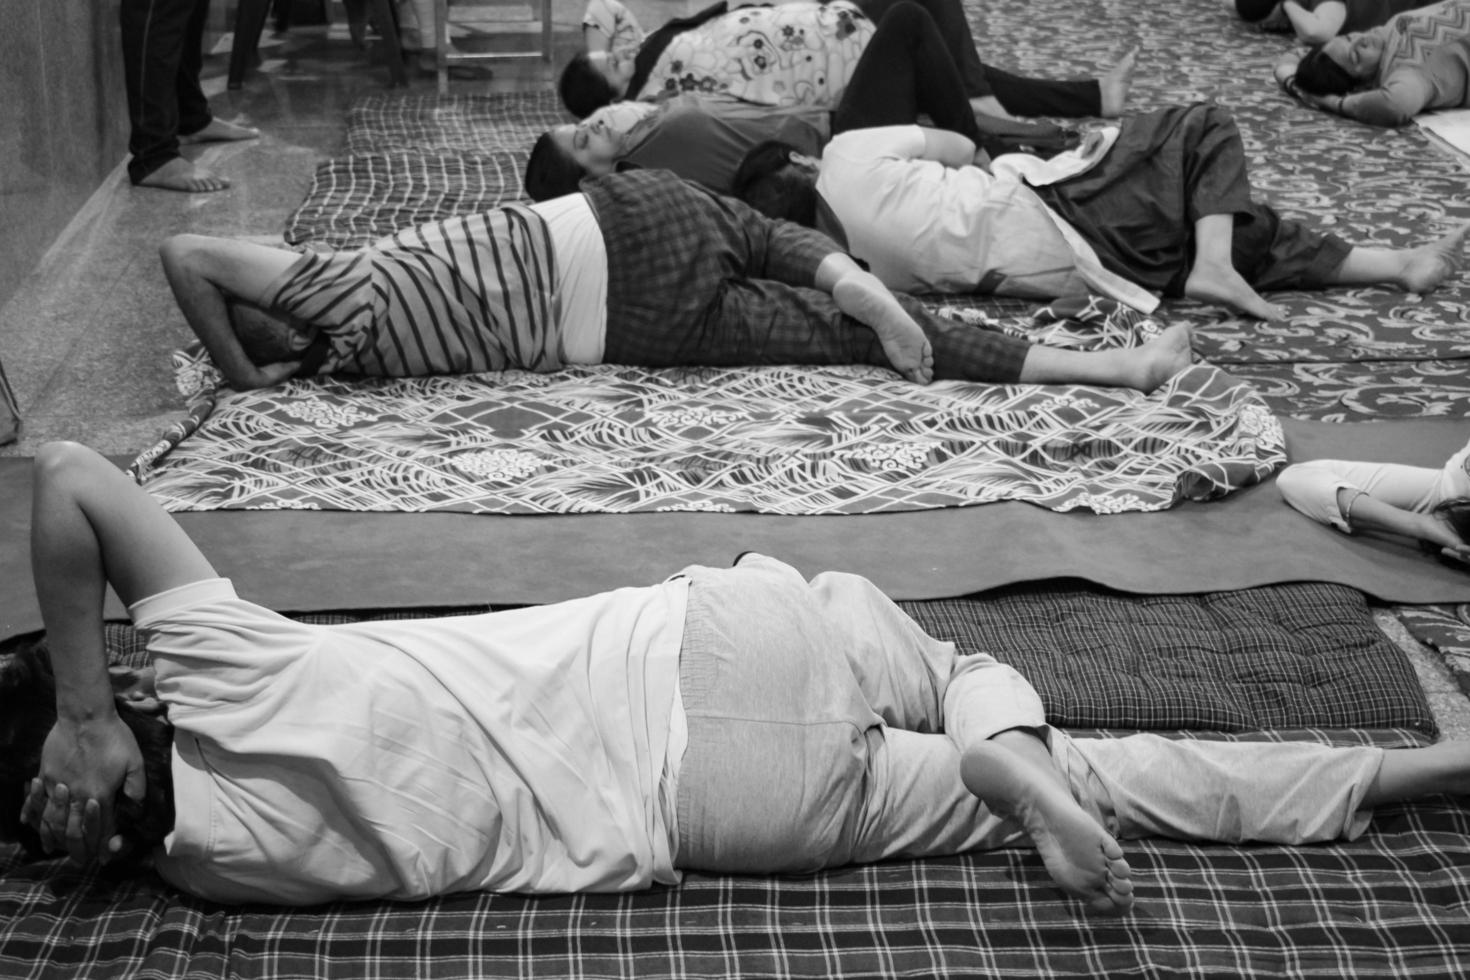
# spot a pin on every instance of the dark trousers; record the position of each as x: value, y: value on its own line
x: 162, y: 56
x: 694, y: 279
x: 906, y: 72
x: 1018, y: 95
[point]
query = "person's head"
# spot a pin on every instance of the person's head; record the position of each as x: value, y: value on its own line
x: 27, y: 714
x: 592, y: 80
x: 779, y: 181
x: 1341, y: 65
x: 267, y: 337
x: 553, y: 170
x: 1268, y: 15
x: 590, y: 148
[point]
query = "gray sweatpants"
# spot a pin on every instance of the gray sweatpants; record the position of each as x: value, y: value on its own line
x: 826, y: 728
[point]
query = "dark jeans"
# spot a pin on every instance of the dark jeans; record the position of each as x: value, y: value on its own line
x: 161, y: 41
x: 1017, y: 95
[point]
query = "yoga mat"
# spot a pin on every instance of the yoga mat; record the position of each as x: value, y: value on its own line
x: 298, y: 561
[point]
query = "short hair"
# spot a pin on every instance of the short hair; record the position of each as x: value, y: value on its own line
x: 27, y: 715
x: 1318, y: 74
x: 768, y: 181
x: 583, y: 88
x: 551, y: 171
x: 1251, y: 11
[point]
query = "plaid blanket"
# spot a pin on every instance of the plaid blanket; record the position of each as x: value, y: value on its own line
x: 1389, y: 905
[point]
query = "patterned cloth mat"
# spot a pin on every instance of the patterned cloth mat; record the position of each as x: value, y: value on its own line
x: 776, y: 440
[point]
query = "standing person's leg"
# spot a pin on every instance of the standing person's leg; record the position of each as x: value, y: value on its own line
x: 154, y: 34
x: 194, y: 114
x: 197, y: 124
x: 152, y: 44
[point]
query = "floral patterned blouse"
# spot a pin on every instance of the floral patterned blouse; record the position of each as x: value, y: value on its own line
x: 800, y: 53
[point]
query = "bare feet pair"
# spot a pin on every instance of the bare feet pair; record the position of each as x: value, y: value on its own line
x: 184, y: 175
x: 1081, y: 857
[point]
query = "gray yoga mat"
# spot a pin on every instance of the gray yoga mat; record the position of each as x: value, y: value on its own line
x: 309, y: 561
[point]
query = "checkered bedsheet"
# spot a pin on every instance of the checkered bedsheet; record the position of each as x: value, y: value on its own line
x: 1392, y: 904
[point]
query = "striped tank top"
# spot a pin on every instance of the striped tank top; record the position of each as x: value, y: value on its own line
x: 473, y: 293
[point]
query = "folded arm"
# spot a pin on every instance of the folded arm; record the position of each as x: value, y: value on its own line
x: 950, y: 149
x: 1316, y: 26
x: 205, y: 275
x: 91, y: 526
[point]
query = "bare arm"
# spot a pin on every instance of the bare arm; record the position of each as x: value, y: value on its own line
x: 1316, y: 26
x: 1401, y: 97
x: 202, y: 272
x: 1367, y: 513
x: 950, y: 149
x: 91, y: 525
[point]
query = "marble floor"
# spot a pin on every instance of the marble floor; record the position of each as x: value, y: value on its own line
x: 85, y: 340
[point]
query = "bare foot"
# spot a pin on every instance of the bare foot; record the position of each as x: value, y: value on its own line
x: 1429, y: 265
x: 182, y: 175
x: 1116, y: 81
x: 863, y: 298
x: 1079, y: 854
x: 1223, y: 286
x: 1161, y: 358
x: 219, y: 131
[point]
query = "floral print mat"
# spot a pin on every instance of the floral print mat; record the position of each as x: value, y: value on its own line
x: 774, y: 440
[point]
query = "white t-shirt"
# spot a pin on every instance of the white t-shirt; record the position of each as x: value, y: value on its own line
x: 515, y: 751
x: 925, y: 227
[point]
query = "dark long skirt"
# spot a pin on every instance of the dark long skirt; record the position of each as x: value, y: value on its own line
x: 1168, y: 169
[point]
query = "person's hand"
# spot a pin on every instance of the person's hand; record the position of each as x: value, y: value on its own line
x: 1458, y: 552
x: 83, y: 765
x: 1284, y: 71
x: 266, y: 375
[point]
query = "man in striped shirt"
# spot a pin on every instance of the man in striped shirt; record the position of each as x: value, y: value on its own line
x: 637, y: 268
